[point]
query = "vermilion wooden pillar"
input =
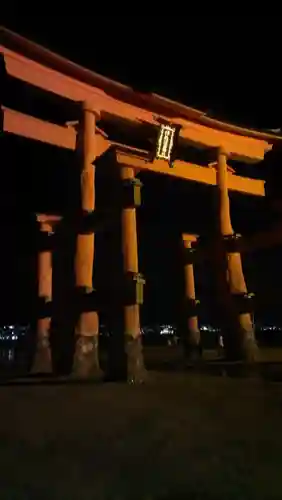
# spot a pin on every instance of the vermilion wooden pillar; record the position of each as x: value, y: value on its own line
x: 42, y: 362
x: 86, y: 358
x: 237, y: 302
x: 136, y: 372
x: 192, y: 334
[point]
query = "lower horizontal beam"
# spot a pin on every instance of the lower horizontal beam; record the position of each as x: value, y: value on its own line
x: 189, y: 238
x: 192, y: 172
x: 258, y: 241
x: 38, y: 130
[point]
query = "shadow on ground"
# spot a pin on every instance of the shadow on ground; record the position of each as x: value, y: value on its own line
x: 162, y: 359
x: 183, y: 435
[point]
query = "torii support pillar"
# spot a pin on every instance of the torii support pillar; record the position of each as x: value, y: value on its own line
x: 240, y: 338
x: 136, y: 372
x: 42, y: 361
x: 191, y: 334
x: 86, y: 356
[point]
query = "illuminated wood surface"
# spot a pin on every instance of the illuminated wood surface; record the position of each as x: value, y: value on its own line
x: 42, y: 68
x: 192, y: 172
x: 50, y: 133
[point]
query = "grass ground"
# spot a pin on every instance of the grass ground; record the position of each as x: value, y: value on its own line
x: 182, y: 436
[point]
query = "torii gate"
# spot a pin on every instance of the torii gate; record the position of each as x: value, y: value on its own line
x: 102, y: 98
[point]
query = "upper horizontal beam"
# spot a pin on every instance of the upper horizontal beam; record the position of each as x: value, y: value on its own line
x: 50, y: 80
x: 192, y: 172
x: 153, y: 102
x: 239, y: 147
x: 49, y: 133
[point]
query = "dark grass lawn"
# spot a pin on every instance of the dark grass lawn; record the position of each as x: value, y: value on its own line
x: 183, y: 436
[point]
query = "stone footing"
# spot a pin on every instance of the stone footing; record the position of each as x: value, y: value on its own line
x: 241, y: 346
x: 86, y: 358
x: 192, y: 346
x: 42, y: 361
x: 250, y: 350
x: 136, y: 371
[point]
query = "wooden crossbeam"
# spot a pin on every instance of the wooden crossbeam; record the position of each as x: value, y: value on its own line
x: 50, y: 133
x: 189, y: 238
x: 258, y: 241
x: 39, y: 130
x: 192, y: 172
x: 239, y: 147
x: 48, y: 218
x: 65, y: 137
x: 60, y: 84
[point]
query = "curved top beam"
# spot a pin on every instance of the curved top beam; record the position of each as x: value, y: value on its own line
x: 44, y: 56
x: 153, y: 102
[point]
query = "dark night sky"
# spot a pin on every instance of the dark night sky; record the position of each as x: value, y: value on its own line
x: 226, y: 65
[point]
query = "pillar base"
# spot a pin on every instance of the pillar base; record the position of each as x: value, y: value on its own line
x: 241, y: 346
x: 42, y: 361
x: 232, y: 347
x: 250, y: 350
x: 136, y: 371
x: 86, y: 358
x: 192, y: 345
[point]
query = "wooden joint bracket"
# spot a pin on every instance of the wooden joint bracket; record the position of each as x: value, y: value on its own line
x: 131, y: 193
x: 244, y: 302
x: 232, y: 242
x: 86, y: 299
x: 134, y: 285
x: 191, y: 307
x: 44, y: 307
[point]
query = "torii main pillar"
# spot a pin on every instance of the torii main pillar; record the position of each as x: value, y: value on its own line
x: 42, y: 361
x: 235, y: 299
x: 136, y: 372
x: 192, y: 334
x: 86, y: 357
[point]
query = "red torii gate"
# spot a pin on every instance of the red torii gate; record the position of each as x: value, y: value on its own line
x: 102, y: 97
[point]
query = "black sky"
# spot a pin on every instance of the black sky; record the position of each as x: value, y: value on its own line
x: 226, y: 65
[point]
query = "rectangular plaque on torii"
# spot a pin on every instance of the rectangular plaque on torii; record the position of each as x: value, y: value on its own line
x: 166, y: 140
